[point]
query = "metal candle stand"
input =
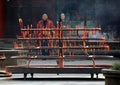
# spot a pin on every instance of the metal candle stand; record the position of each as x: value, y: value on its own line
x: 31, y: 36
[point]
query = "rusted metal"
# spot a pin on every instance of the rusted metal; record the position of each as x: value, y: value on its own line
x: 52, y: 69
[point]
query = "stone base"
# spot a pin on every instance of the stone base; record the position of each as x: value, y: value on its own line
x: 112, y: 77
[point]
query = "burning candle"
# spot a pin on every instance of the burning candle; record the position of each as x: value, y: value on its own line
x: 20, y: 22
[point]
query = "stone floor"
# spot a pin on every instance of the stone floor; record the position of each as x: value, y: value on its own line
x: 53, y: 79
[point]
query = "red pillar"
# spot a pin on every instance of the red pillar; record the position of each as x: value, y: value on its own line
x: 2, y: 19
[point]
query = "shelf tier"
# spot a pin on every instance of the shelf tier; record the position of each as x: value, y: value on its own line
x: 54, y: 69
x: 65, y: 38
x: 66, y: 47
x: 67, y: 29
x: 11, y: 50
x: 64, y: 57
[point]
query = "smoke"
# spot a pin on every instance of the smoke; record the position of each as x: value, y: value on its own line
x: 107, y: 10
x: 99, y: 9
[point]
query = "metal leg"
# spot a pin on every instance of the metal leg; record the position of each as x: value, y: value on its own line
x: 93, y: 60
x: 29, y: 63
x: 92, y: 75
x: 25, y: 75
x: 96, y: 75
x: 57, y: 73
x: 32, y: 75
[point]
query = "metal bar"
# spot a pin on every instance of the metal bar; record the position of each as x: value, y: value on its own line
x: 65, y: 38
x: 53, y: 29
x: 65, y: 57
x: 68, y: 47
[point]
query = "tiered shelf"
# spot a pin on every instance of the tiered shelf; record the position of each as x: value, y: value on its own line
x: 59, y: 41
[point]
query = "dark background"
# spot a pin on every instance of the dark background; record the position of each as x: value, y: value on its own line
x: 104, y: 12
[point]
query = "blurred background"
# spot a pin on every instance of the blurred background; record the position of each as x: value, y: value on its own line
x: 92, y: 12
